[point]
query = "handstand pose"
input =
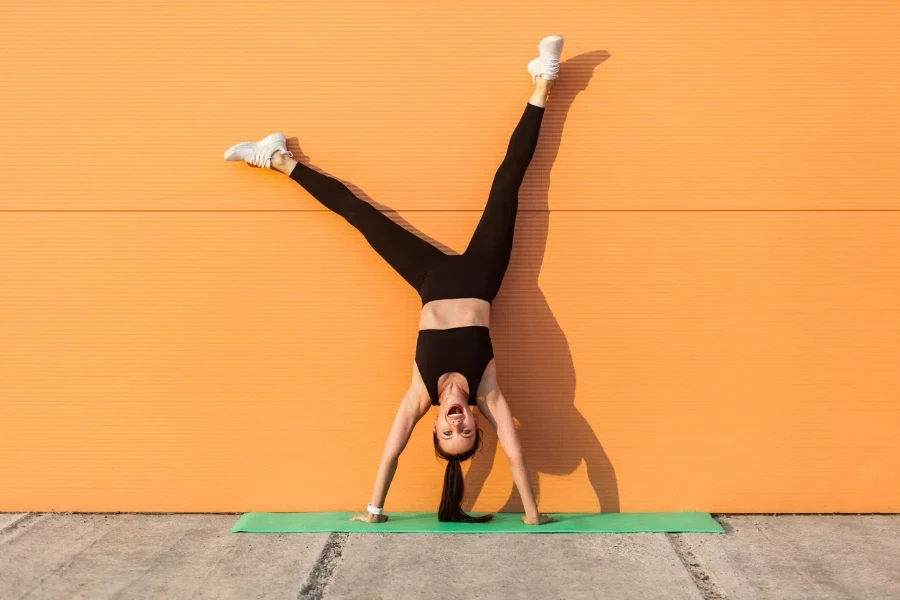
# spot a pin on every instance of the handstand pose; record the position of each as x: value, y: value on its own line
x: 454, y: 367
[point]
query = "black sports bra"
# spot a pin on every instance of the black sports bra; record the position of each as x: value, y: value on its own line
x: 465, y: 350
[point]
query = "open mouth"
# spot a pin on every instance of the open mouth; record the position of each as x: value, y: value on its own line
x: 456, y: 409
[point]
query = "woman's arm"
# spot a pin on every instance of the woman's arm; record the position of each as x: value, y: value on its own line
x: 409, y: 413
x: 495, y: 409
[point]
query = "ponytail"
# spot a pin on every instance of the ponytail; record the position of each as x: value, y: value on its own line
x: 454, y: 486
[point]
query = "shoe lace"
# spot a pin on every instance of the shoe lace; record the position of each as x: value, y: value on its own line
x: 550, y: 64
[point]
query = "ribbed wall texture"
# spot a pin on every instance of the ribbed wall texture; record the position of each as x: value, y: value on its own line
x: 702, y: 312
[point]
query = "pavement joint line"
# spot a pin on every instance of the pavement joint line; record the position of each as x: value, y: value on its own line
x: 323, y: 570
x: 69, y: 561
x: 701, y: 578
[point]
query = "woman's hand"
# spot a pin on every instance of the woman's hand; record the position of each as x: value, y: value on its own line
x: 370, y: 518
x: 538, y: 519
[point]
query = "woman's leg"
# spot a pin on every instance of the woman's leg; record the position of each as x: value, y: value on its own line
x: 491, y: 243
x: 406, y: 252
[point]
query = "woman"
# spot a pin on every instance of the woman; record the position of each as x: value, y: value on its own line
x: 454, y: 367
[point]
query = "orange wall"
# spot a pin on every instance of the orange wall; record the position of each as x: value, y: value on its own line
x: 703, y: 309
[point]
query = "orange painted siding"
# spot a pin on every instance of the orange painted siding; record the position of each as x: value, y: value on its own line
x: 703, y: 309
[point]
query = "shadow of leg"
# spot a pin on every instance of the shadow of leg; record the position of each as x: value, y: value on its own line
x: 535, y: 364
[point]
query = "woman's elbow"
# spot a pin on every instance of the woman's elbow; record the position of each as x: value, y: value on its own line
x: 391, y: 456
x: 516, y: 458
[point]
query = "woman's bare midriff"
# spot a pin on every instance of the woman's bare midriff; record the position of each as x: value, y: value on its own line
x: 455, y: 312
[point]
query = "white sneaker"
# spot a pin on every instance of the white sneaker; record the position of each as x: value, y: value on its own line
x: 547, y: 64
x: 259, y: 154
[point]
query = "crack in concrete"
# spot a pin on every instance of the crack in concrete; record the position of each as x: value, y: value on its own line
x: 323, y: 571
x: 702, y: 579
x: 71, y: 560
x: 788, y: 560
x: 226, y: 554
x: 15, y: 523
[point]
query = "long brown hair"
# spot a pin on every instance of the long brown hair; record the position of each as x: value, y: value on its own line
x: 454, y: 486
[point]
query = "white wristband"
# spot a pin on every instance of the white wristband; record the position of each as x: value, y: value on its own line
x: 373, y: 510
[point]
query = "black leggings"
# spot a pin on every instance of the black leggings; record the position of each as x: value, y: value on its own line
x: 478, y: 272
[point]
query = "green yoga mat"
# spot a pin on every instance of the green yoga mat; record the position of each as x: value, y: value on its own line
x: 419, y: 522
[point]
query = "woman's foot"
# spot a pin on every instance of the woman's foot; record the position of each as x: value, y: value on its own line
x: 546, y: 65
x: 259, y: 154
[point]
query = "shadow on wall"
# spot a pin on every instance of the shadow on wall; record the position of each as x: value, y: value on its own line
x: 534, y: 363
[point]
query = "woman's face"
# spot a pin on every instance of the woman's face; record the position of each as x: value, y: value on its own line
x: 455, y: 425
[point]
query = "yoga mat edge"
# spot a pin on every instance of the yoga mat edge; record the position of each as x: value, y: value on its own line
x: 423, y: 522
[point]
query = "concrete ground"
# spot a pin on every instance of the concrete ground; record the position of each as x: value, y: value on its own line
x: 58, y: 555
